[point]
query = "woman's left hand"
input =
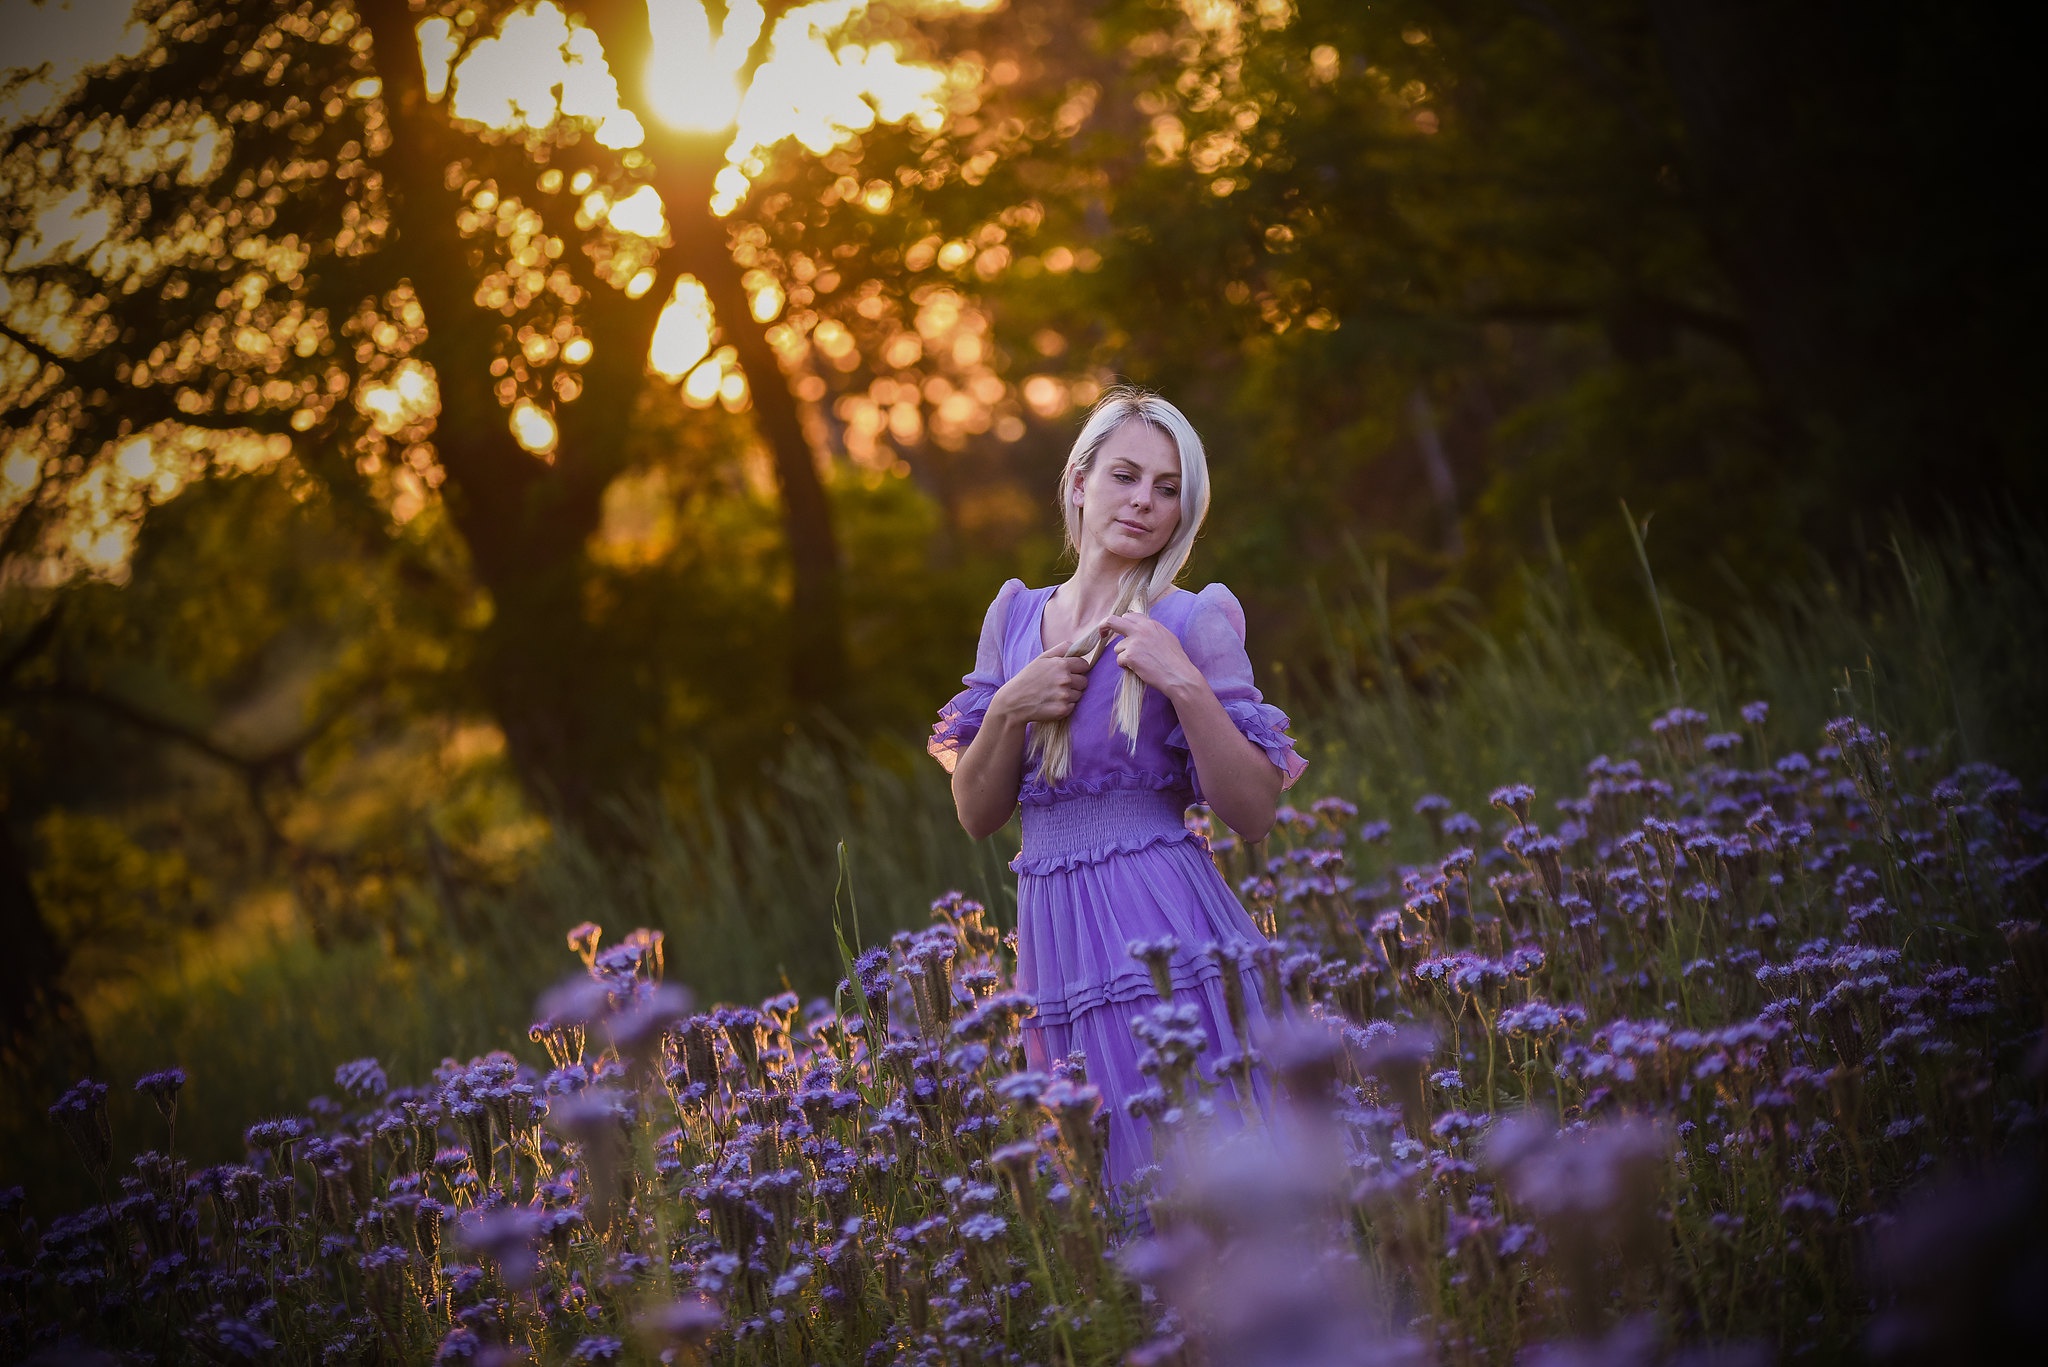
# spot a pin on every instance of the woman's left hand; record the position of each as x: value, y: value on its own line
x: 1152, y: 652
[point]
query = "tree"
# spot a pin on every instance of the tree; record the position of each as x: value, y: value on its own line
x: 284, y: 247
x: 1415, y: 268
x: 1445, y: 280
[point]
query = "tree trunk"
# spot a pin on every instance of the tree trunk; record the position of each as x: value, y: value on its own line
x: 39, y: 1022
x: 686, y: 165
x: 817, y: 660
x: 577, y: 706
x: 575, y: 710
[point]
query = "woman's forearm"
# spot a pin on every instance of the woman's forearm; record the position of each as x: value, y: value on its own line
x: 989, y: 773
x: 1239, y: 781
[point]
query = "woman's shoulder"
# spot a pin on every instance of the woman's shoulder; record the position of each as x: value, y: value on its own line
x: 1203, y: 609
x: 1006, y: 595
x: 1018, y: 588
x: 1004, y: 619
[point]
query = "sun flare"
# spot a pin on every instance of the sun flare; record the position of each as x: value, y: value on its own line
x: 798, y: 78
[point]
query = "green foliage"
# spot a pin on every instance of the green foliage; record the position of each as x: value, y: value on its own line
x: 1912, y: 640
x: 112, y: 904
x: 1438, y: 282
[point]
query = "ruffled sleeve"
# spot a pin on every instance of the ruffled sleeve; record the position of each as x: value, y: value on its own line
x: 961, y: 717
x: 1214, y: 640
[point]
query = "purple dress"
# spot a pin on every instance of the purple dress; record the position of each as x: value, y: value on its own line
x: 1107, y: 856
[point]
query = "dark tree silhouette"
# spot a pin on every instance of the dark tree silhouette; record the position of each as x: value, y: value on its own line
x: 293, y: 220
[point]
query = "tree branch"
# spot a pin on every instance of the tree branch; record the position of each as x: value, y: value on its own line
x: 74, y: 695
x: 253, y: 770
x: 33, y: 642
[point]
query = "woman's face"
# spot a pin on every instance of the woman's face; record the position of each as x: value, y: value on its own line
x: 1130, y: 498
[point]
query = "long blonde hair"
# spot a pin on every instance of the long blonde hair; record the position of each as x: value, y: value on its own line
x: 1145, y: 582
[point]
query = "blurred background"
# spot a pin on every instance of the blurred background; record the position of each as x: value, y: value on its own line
x: 467, y: 468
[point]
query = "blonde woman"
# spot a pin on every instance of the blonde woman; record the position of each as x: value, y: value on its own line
x: 1104, y: 706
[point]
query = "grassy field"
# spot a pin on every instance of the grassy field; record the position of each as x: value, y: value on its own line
x: 1933, y: 641
x: 1611, y: 1005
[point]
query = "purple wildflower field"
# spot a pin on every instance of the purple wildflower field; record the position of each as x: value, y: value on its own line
x: 1737, y: 1056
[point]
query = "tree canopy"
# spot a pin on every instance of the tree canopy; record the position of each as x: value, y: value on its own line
x: 641, y: 381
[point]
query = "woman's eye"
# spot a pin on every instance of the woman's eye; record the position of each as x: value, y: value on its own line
x: 1168, y: 491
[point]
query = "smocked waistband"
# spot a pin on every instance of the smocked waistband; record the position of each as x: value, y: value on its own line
x: 1090, y: 826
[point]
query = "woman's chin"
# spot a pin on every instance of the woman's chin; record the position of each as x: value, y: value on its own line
x: 1126, y: 546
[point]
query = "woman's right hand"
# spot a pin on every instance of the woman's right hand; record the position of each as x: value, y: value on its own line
x: 1047, y: 689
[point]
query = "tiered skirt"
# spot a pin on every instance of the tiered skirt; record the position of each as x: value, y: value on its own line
x: 1098, y: 871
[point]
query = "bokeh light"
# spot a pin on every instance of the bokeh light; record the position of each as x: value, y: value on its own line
x: 683, y: 337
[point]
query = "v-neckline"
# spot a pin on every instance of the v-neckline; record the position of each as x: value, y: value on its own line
x: 1045, y: 601
x: 1038, y: 627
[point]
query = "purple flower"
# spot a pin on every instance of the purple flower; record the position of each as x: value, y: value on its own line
x: 1460, y: 826
x: 581, y: 1000
x: 1678, y: 719
x: 1598, y: 1172
x: 82, y: 1114
x: 654, y: 1009
x: 583, y: 940
x: 1455, y: 1125
x: 509, y: 1236
x: 162, y: 1087
x: 983, y: 1229
x: 1514, y: 799
x: 362, y: 1079
x: 83, y: 1098
x: 1536, y: 1018
x: 1802, y: 1201
x: 682, y: 1323
x: 239, y: 1338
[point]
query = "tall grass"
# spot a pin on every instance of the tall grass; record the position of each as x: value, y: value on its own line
x: 1938, y: 641
x: 744, y: 892
x: 1941, y: 640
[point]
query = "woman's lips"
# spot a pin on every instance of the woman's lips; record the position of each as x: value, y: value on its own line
x: 1127, y: 523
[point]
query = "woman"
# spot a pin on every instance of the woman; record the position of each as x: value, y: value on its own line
x: 1105, y: 761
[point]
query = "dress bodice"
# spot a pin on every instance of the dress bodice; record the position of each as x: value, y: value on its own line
x: 1210, y: 627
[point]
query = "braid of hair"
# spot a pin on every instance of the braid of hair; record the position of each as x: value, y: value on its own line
x: 1052, y: 741
x: 1130, y: 689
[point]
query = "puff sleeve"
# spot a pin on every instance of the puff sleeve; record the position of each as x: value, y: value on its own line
x: 1215, y: 642
x: 961, y: 717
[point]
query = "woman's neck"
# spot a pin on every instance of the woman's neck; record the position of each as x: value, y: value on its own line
x: 1090, y: 595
